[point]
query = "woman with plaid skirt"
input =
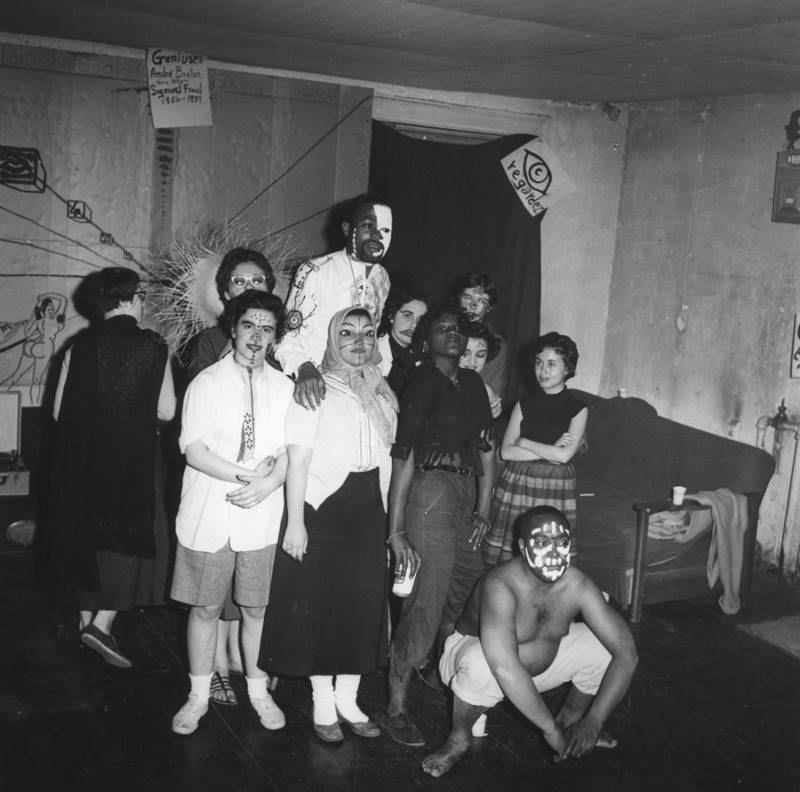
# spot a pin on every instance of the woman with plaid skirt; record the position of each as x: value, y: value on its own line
x: 544, y: 432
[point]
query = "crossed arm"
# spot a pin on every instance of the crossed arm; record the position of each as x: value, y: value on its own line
x: 518, y: 449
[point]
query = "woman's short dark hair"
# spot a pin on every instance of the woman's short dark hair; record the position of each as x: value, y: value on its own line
x: 475, y: 280
x: 563, y: 346
x: 399, y: 294
x: 485, y: 333
x: 447, y: 307
x: 232, y: 259
x: 236, y: 308
x: 104, y: 290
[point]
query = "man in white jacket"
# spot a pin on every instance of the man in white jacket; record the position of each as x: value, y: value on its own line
x: 325, y: 285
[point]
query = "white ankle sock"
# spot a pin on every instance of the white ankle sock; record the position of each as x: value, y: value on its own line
x: 256, y: 687
x: 345, y: 694
x: 324, y: 702
x: 201, y: 685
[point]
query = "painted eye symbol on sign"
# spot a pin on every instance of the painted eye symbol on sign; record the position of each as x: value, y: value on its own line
x: 537, y: 173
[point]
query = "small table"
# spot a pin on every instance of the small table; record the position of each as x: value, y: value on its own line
x: 643, y: 512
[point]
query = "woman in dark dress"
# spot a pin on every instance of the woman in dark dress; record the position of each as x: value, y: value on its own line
x: 327, y: 613
x: 106, y: 528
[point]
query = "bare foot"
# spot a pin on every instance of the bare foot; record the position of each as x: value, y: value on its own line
x: 605, y: 740
x: 440, y: 762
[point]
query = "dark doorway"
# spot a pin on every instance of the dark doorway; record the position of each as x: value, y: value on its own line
x: 455, y: 212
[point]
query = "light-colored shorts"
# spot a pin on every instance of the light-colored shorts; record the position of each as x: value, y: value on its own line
x: 581, y: 659
x: 204, y: 578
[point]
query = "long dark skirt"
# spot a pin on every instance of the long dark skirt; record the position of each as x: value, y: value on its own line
x: 328, y: 614
x: 128, y: 582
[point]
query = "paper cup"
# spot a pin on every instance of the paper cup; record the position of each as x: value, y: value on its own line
x: 678, y: 494
x: 404, y: 584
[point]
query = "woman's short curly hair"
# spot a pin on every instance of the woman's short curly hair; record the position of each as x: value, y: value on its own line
x: 264, y: 301
x: 485, y: 333
x: 232, y: 259
x: 563, y: 346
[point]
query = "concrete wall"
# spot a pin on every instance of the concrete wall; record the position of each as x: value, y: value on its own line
x: 704, y: 286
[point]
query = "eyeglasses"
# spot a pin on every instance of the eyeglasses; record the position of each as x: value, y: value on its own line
x: 141, y: 294
x: 254, y: 281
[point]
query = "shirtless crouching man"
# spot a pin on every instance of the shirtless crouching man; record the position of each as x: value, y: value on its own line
x: 518, y: 637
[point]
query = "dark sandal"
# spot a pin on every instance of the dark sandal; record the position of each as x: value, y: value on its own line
x: 221, y: 690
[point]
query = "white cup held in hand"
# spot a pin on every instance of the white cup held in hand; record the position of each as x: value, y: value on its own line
x: 678, y: 494
x: 404, y: 584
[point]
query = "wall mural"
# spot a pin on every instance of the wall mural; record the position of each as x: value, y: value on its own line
x: 34, y: 321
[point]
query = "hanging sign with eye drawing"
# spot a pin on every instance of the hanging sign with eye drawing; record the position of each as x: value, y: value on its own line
x: 794, y: 368
x: 536, y: 176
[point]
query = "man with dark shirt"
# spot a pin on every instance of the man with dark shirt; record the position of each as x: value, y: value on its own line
x: 518, y: 637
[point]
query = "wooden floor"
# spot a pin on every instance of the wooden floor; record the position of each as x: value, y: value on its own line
x: 711, y: 708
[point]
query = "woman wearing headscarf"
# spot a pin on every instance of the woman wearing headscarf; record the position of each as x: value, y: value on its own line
x: 327, y: 614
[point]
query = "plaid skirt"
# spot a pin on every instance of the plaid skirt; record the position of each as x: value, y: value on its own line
x: 521, y: 486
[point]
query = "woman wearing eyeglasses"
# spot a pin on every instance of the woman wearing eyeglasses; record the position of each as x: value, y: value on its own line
x: 240, y: 270
x: 105, y: 528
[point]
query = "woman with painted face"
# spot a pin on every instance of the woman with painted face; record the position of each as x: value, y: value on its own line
x: 435, y: 524
x: 544, y: 433
x: 240, y: 270
x: 477, y: 296
x: 327, y: 615
x: 405, y: 306
x: 482, y: 347
x: 106, y: 533
x: 232, y: 500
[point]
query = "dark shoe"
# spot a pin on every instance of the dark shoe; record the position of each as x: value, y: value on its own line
x: 365, y: 728
x: 402, y: 730
x: 221, y: 690
x: 330, y: 733
x: 429, y: 676
x: 105, y: 645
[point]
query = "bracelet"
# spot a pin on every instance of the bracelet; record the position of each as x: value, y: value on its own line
x: 396, y: 533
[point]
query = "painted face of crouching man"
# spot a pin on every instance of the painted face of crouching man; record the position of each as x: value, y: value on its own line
x: 545, y: 544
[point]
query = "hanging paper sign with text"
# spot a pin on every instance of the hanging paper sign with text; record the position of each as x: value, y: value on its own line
x: 537, y: 176
x: 178, y: 85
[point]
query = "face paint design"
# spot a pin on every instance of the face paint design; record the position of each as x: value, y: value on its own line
x: 245, y: 276
x: 356, y: 339
x: 475, y: 303
x: 369, y: 233
x: 546, y: 549
x: 253, y: 337
x: 405, y: 321
x: 476, y: 354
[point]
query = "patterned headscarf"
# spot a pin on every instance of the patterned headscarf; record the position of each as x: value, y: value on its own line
x: 366, y: 381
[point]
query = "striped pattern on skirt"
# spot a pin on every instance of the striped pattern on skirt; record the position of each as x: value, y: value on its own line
x: 521, y: 486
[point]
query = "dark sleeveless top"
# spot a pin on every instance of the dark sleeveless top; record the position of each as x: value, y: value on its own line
x: 545, y: 418
x: 102, y: 486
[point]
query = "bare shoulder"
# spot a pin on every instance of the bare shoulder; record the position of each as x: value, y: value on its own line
x: 500, y: 580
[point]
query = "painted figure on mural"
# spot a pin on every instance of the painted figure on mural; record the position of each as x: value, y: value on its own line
x: 31, y: 343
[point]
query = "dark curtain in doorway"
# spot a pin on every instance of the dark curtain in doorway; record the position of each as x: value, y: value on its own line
x: 456, y: 212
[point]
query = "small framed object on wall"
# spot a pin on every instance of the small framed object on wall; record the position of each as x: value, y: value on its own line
x: 794, y: 366
x: 786, y: 194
